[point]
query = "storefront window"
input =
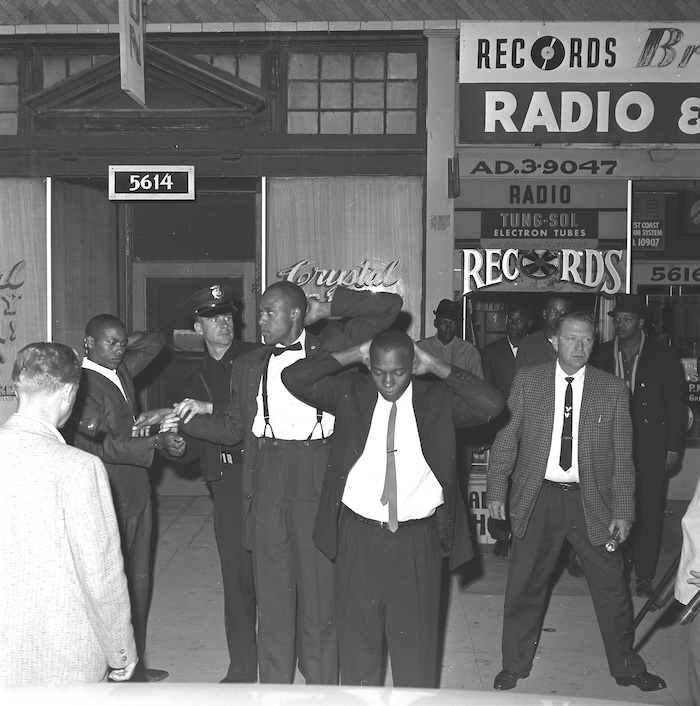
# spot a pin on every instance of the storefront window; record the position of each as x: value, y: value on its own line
x: 247, y: 67
x: 352, y: 93
x: 8, y: 95
x: 57, y: 67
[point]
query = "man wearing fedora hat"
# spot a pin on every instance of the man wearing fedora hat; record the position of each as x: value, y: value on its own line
x: 446, y: 345
x: 222, y: 471
x: 655, y: 377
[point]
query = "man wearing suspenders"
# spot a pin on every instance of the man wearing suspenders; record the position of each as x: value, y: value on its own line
x: 286, y: 446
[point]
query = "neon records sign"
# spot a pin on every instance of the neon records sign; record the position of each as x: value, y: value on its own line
x: 532, y: 269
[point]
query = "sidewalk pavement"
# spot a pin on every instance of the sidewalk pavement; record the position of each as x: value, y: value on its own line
x: 186, y: 633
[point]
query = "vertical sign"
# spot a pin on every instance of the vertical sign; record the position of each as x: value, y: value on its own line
x: 132, y: 35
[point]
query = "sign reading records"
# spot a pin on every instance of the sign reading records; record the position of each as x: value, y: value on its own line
x: 579, y: 82
x: 566, y: 269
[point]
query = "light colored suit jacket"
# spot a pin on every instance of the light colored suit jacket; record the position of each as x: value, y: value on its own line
x: 521, y: 448
x: 64, y: 605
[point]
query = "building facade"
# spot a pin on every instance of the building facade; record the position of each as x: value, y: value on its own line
x: 333, y: 143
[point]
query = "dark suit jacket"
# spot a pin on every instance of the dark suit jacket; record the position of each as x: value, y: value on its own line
x: 194, y: 385
x: 534, y: 349
x: 499, y: 365
x: 658, y: 404
x: 461, y: 399
x: 371, y: 313
x: 606, y: 471
x: 102, y: 421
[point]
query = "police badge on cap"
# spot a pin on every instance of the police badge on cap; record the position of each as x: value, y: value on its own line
x: 212, y: 301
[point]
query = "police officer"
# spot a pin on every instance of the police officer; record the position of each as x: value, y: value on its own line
x: 221, y: 468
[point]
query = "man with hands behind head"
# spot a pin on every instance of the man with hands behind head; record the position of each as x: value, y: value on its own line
x: 286, y: 445
x: 390, y: 504
x: 104, y: 424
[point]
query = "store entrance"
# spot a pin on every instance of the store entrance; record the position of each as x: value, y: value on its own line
x: 179, y: 247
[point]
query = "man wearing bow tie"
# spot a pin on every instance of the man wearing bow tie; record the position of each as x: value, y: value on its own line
x: 568, y: 449
x: 285, y: 451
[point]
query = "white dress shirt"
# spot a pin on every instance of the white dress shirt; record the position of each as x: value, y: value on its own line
x: 289, y: 417
x: 418, y: 491
x: 554, y: 471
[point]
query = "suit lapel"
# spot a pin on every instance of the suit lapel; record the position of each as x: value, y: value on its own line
x: 129, y: 390
x: 420, y: 403
x: 549, y: 397
x: 589, y: 394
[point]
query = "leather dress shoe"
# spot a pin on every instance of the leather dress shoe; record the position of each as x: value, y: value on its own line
x: 506, y: 679
x: 500, y: 548
x: 149, y: 675
x: 573, y: 566
x: 643, y: 681
x: 644, y: 588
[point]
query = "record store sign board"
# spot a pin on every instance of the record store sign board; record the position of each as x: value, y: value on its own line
x: 619, y: 82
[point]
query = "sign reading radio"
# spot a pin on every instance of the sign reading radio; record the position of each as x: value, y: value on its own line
x: 579, y: 82
x: 591, y: 269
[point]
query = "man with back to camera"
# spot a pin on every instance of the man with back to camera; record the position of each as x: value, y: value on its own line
x: 286, y: 445
x: 105, y: 414
x: 446, y: 345
x: 498, y: 359
x: 654, y: 374
x: 65, y: 613
x: 391, y: 497
x: 222, y: 471
x: 568, y: 450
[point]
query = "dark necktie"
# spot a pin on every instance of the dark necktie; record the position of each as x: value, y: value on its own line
x: 567, y: 430
x: 278, y: 350
x: 389, y: 492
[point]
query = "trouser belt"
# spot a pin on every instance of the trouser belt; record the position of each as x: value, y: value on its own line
x: 562, y: 486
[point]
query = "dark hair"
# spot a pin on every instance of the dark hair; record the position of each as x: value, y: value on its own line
x: 584, y: 316
x: 45, y: 367
x: 100, y: 323
x: 293, y: 294
x: 392, y: 340
x: 553, y: 297
x: 519, y: 306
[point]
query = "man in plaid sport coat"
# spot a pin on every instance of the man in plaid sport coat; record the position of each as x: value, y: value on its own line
x: 575, y: 484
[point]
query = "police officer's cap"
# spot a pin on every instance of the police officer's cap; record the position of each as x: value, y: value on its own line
x: 212, y: 301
